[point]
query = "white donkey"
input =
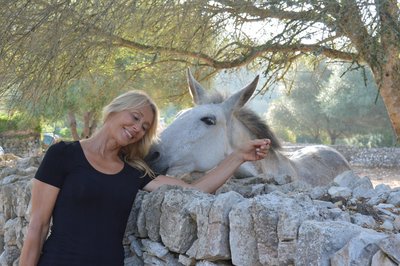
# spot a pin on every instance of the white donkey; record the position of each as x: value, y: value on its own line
x: 200, y: 137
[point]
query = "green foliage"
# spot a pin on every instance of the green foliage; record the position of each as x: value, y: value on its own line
x: 300, y: 111
x: 328, y: 103
x: 74, y: 56
x: 59, y: 127
x: 18, y: 122
x: 49, y: 48
x: 7, y: 123
x: 286, y: 134
x: 91, y: 93
x: 65, y: 133
x: 368, y: 141
x: 105, y: 71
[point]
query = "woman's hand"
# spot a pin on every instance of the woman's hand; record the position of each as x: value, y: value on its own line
x: 254, y: 150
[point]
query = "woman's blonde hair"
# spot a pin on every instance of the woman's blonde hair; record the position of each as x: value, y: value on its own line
x: 134, y: 153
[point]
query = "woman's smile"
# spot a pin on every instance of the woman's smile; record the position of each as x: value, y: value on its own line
x: 128, y: 133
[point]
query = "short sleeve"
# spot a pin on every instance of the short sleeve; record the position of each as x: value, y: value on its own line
x: 51, y: 170
x: 145, y: 180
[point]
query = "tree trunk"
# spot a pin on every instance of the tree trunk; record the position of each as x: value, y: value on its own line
x: 93, y: 126
x: 87, y: 116
x: 389, y: 84
x: 381, y: 54
x: 89, y: 124
x: 72, y: 125
x: 387, y: 71
x: 333, y: 139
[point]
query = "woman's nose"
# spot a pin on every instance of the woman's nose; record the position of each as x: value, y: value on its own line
x: 136, y: 127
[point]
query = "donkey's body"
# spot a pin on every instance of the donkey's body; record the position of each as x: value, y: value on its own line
x: 201, y: 137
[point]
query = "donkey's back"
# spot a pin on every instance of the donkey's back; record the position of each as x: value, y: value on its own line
x: 318, y: 164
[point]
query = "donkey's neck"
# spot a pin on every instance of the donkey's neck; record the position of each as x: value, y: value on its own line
x: 274, y: 165
x: 237, y: 133
x: 277, y: 165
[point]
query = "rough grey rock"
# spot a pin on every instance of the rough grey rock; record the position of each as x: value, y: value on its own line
x: 175, y: 217
x: 391, y: 247
x: 133, y: 261
x: 149, y: 215
x: 394, y: 198
x: 396, y: 223
x: 363, y: 188
x: 339, y: 192
x: 319, y: 192
x: 250, y: 221
x: 318, y: 241
x: 212, y: 219
x: 363, y: 220
x: 359, y: 250
x: 154, y: 248
x: 346, y: 179
x: 381, y: 259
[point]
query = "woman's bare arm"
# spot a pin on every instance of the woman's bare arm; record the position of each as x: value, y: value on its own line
x: 43, y: 199
x: 251, y: 151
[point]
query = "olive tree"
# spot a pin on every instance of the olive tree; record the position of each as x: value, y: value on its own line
x: 329, y: 103
x: 46, y: 44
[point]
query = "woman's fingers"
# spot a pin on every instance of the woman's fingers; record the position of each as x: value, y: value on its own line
x: 262, y: 148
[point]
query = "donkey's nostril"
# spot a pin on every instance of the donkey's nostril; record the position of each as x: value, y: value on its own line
x: 152, y: 156
x: 156, y: 155
x: 154, y: 162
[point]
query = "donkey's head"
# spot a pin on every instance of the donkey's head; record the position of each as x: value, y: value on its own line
x: 201, y: 137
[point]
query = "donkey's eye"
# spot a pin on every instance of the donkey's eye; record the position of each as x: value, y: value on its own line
x: 209, y: 120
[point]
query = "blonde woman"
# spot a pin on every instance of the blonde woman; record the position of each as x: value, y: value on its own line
x: 88, y: 187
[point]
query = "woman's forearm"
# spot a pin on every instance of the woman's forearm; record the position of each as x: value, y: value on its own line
x: 252, y: 151
x: 219, y: 175
x: 43, y: 199
x: 33, y: 244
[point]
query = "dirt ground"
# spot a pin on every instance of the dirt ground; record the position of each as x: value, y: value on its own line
x: 388, y: 176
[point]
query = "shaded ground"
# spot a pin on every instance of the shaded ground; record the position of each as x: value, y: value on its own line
x: 389, y: 176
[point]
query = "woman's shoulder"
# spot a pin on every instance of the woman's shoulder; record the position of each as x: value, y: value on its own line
x: 69, y: 152
x: 132, y: 169
x: 64, y: 147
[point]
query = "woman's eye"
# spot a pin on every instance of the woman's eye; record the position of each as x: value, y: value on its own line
x: 135, y: 117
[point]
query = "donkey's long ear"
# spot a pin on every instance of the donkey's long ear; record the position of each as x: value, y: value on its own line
x: 199, y: 95
x: 241, y: 97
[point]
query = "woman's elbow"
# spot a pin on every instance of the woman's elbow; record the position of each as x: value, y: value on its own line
x: 38, y: 227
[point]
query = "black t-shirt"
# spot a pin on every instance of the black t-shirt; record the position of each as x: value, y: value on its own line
x: 91, y: 210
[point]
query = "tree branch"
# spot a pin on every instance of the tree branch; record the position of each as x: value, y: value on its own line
x: 253, y: 52
x: 261, y: 13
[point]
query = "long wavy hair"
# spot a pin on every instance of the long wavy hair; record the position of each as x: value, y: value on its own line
x: 134, y: 153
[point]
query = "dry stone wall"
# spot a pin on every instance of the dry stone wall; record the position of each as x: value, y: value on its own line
x: 247, y: 222
x: 22, y: 145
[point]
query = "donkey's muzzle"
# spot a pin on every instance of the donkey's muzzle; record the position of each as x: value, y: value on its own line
x: 153, y: 159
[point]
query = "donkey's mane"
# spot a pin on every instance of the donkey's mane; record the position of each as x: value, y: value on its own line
x: 215, y: 97
x: 257, y: 126
x: 250, y: 120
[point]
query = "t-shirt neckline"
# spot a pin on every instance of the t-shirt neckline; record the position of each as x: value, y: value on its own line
x: 92, y: 167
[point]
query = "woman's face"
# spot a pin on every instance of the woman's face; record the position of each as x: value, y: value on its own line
x: 130, y: 126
